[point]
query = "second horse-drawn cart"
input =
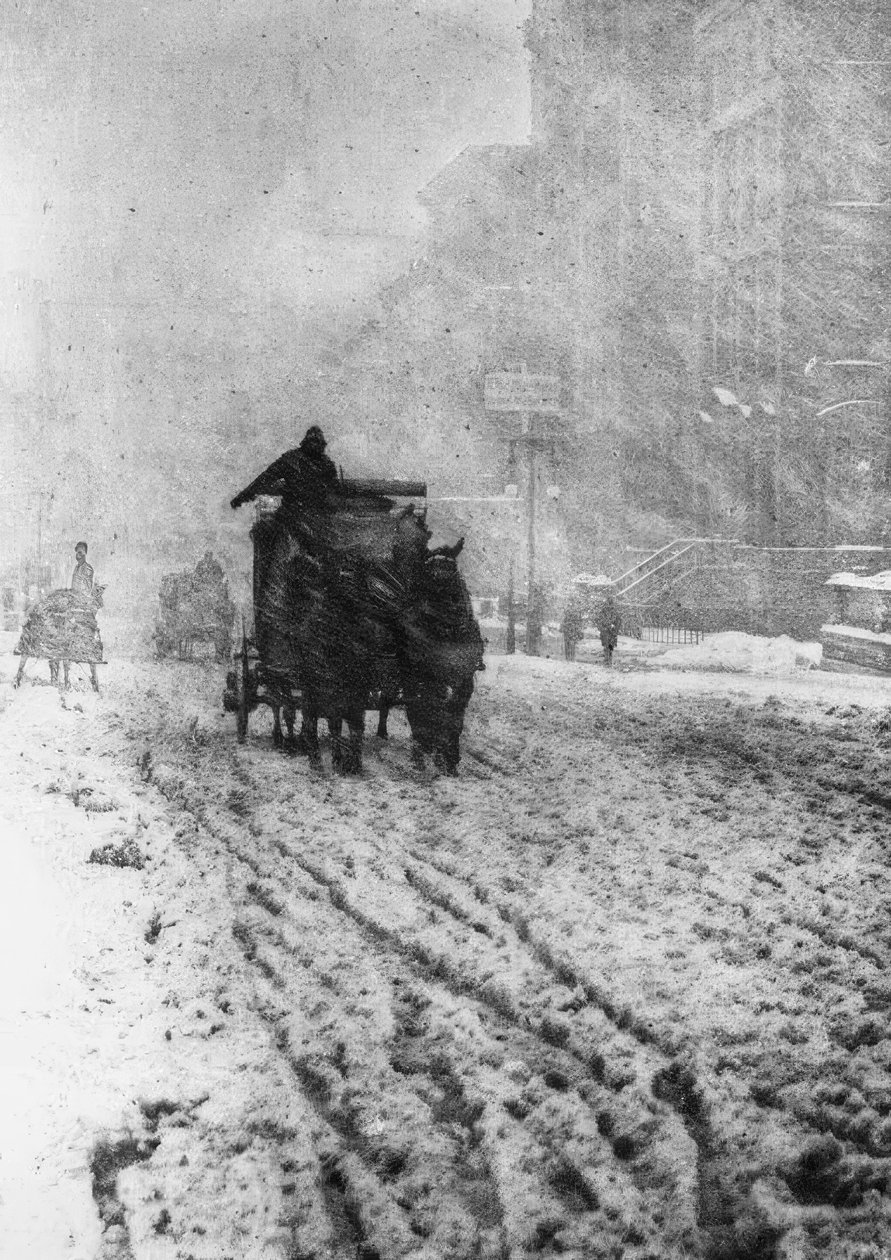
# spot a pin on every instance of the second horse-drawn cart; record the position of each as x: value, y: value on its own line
x: 352, y: 612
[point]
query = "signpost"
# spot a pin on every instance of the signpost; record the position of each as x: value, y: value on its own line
x: 526, y: 395
x: 522, y: 391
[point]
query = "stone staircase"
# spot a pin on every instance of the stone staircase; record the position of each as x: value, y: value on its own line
x: 650, y: 580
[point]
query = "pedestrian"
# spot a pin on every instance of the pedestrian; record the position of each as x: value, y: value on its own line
x: 609, y: 623
x: 572, y: 628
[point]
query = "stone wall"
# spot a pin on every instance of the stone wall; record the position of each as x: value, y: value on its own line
x: 770, y: 590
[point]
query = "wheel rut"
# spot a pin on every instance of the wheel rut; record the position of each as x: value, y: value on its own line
x: 613, y: 1075
x: 557, y: 1082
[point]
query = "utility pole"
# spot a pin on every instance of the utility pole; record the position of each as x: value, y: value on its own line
x: 520, y: 392
x: 532, y: 630
x: 510, y: 645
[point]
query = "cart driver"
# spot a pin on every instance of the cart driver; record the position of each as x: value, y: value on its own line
x: 301, y: 475
x: 82, y: 577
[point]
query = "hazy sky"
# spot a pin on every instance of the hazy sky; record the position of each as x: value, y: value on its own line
x: 197, y: 198
x: 240, y: 152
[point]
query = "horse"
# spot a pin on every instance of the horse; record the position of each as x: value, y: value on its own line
x: 340, y: 641
x: 62, y: 628
x: 440, y: 650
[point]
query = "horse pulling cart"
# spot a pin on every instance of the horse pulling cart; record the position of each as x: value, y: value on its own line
x: 351, y: 612
x: 61, y: 628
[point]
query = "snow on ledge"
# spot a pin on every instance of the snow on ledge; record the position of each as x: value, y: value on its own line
x: 857, y: 632
x: 872, y: 582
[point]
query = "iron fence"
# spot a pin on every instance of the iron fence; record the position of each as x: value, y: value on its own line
x: 661, y: 623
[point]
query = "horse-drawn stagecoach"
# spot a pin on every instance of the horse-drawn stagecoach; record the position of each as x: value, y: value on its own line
x: 353, y: 611
x: 194, y: 607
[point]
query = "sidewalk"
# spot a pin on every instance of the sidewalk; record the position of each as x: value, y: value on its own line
x: 69, y: 1022
x: 128, y: 1019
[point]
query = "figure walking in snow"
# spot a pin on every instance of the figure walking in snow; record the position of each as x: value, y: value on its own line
x: 609, y: 623
x: 572, y: 629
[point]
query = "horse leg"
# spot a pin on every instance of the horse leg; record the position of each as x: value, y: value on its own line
x: 21, y: 672
x: 309, y: 733
x: 276, y: 726
x: 449, y: 751
x: 351, y: 762
x: 304, y: 740
x: 335, y: 731
x: 289, y: 713
x: 383, y: 714
x: 54, y: 673
x: 414, y: 714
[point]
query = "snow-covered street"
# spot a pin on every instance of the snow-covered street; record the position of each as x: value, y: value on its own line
x: 619, y: 989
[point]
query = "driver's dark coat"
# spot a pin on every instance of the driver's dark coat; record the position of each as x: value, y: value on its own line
x: 296, y: 476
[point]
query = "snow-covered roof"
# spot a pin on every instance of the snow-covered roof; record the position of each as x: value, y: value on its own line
x: 872, y: 582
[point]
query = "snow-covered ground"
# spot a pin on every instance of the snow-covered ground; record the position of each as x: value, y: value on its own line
x: 620, y: 989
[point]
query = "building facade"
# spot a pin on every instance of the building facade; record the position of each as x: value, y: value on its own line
x: 693, y: 240
x: 794, y: 264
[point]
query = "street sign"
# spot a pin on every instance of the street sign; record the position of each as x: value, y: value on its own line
x: 522, y: 391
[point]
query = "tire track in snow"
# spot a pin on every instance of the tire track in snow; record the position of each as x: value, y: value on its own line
x: 552, y: 1041
x: 531, y: 1047
x: 715, y: 1160
x: 273, y: 954
x: 435, y: 971
x: 648, y: 732
x: 354, y: 1199
x: 352, y: 1191
x: 713, y: 1218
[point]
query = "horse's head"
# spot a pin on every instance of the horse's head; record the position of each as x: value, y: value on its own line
x: 443, y: 585
x: 448, y: 553
x: 412, y: 526
x: 409, y: 545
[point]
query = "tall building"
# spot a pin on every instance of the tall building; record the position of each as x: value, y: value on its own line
x: 795, y: 287
x: 723, y: 181
x: 694, y: 242
x: 615, y: 131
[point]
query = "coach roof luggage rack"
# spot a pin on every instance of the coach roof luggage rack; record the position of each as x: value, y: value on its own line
x: 398, y: 489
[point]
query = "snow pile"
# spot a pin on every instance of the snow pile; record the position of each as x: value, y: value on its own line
x: 747, y: 653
